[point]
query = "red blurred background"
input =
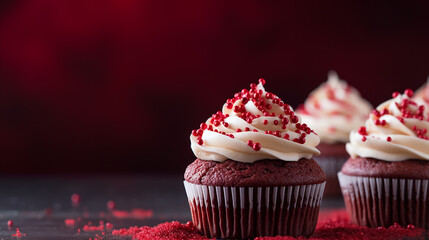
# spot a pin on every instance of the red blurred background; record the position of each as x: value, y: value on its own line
x: 117, y: 86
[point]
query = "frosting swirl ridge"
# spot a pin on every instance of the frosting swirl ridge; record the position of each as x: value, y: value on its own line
x: 334, y: 109
x: 395, y: 131
x: 254, y: 125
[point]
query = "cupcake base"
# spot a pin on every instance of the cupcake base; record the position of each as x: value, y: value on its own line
x: 376, y: 201
x: 248, y: 212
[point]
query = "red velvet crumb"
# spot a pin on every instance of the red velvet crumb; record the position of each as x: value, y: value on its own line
x: 18, y: 234
x: 336, y: 225
x: 168, y: 230
x: 69, y: 222
x: 75, y: 200
x: 111, y: 205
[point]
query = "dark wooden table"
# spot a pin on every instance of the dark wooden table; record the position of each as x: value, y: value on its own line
x: 39, y: 205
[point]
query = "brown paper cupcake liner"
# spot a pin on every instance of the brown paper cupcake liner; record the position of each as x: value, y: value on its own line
x: 248, y: 212
x: 375, y: 202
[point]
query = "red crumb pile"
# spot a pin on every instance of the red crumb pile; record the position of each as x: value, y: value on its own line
x: 332, y: 225
x: 336, y: 225
x: 168, y: 230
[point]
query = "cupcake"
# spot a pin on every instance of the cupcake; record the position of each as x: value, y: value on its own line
x: 386, y: 178
x: 254, y: 174
x: 333, y: 110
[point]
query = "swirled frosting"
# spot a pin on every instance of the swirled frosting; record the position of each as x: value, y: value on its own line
x: 334, y: 109
x: 395, y: 131
x: 254, y: 125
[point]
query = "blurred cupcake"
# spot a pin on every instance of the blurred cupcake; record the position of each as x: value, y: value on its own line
x: 333, y: 110
x: 254, y: 174
x: 386, y: 179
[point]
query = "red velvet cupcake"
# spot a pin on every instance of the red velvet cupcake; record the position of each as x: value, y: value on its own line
x: 386, y: 179
x: 333, y: 110
x: 254, y: 174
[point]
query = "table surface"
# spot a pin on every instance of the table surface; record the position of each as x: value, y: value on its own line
x: 39, y: 205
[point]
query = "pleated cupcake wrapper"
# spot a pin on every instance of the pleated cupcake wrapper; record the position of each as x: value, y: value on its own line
x: 330, y: 164
x: 377, y: 202
x: 247, y: 212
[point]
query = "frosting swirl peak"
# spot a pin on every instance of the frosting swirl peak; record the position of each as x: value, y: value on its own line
x: 334, y: 109
x: 252, y: 126
x: 396, y: 130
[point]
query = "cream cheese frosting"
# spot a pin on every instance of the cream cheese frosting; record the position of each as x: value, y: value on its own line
x: 334, y: 109
x: 395, y: 131
x: 252, y: 126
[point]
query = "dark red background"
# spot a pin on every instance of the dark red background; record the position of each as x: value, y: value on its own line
x: 110, y: 85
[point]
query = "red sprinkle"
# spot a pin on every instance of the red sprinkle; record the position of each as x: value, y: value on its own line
x: 294, y: 119
x: 256, y: 146
x: 376, y: 113
x: 363, y: 138
x: 200, y: 141
x: 265, y: 122
x: 409, y: 92
x: 362, y: 131
x: 389, y: 139
x: 70, y: 222
x: 401, y: 119
x: 262, y: 81
x: 111, y: 205
x: 10, y: 223
x: 75, y: 199
x: 395, y: 94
